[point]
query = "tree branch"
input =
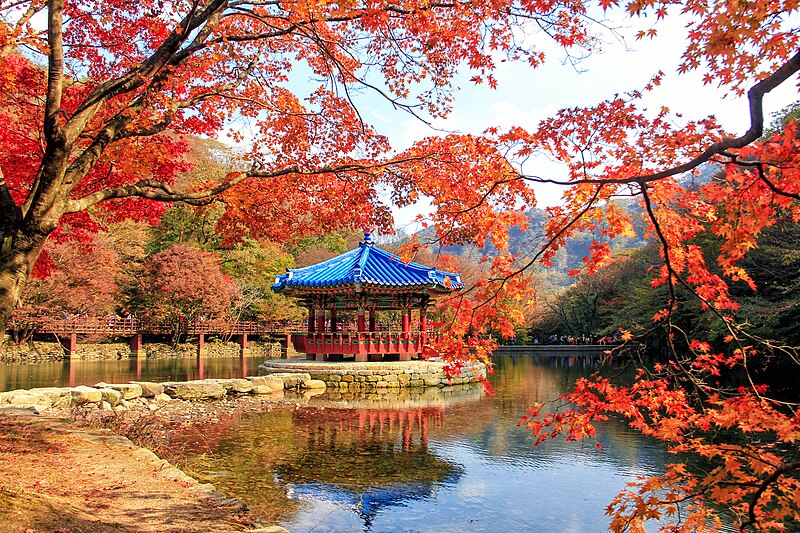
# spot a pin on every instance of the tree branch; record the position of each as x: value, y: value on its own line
x: 755, y: 97
x: 772, y: 478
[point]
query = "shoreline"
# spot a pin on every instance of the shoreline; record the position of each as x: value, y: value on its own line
x: 67, y: 464
x: 65, y: 474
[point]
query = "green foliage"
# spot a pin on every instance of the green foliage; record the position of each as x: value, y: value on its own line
x: 774, y: 309
x: 317, y: 248
x: 621, y: 295
x: 781, y: 118
x: 253, y: 267
x: 182, y: 224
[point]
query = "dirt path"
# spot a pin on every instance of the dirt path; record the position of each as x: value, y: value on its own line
x: 55, y: 477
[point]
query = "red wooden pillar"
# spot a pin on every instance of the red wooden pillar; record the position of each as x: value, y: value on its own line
x: 372, y: 321
x: 201, y: 344
x: 312, y: 329
x: 334, y: 324
x: 242, y: 340
x: 363, y: 351
x: 70, y: 344
x: 405, y: 349
x: 312, y: 318
x: 137, y: 346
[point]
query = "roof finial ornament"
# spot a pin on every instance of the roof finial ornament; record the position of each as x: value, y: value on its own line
x: 368, y: 238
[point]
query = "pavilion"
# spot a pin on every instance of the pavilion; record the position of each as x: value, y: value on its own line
x: 364, y: 281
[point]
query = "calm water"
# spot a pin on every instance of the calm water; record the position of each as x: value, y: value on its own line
x: 435, y: 463
x: 72, y: 373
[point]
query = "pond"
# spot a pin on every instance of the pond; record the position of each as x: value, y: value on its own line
x: 454, y: 462
x: 74, y: 372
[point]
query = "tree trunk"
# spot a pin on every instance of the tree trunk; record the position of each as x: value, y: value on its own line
x: 16, y: 264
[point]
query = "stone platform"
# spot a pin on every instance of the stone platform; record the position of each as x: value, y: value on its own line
x: 352, y: 376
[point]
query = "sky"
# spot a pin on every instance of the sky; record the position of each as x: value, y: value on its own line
x: 525, y: 96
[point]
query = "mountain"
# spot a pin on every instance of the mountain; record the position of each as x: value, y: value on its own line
x: 527, y: 243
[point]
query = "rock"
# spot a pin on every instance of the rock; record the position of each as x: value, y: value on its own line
x: 5, y: 397
x: 40, y: 398
x: 112, y: 396
x: 153, y: 406
x: 194, y: 390
x: 291, y: 380
x: 105, y: 406
x: 149, y: 389
x: 313, y: 384
x: 241, y: 386
x: 82, y: 395
x: 127, y: 390
x: 272, y: 382
x: 262, y: 389
x: 23, y: 400
x: 51, y: 395
x: 119, y: 408
x: 19, y: 411
x: 162, y: 398
x: 269, y: 529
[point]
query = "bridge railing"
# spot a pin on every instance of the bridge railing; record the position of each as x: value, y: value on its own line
x: 113, y: 325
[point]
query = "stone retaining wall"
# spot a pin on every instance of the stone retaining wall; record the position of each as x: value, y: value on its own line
x: 148, y: 395
x: 402, y: 398
x: 367, y: 376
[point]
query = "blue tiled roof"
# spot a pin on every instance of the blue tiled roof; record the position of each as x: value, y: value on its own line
x: 368, y: 266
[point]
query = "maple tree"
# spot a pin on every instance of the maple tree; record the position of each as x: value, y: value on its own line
x: 97, y: 109
x: 182, y: 283
x: 84, y: 280
x: 747, y: 436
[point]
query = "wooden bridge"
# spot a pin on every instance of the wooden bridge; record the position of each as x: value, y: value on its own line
x: 67, y: 329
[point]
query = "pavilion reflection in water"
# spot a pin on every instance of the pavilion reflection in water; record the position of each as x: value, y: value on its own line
x: 374, y: 458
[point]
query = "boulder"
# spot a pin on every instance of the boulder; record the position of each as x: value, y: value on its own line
x: 128, y: 390
x: 149, y: 389
x: 162, y: 398
x: 5, y: 397
x: 235, y: 385
x: 263, y: 389
x: 111, y: 396
x: 23, y: 400
x: 291, y: 380
x: 82, y: 395
x: 194, y: 390
x: 313, y: 384
x: 43, y: 398
x: 275, y: 383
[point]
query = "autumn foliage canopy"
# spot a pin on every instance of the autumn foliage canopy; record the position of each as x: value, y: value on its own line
x: 99, y: 99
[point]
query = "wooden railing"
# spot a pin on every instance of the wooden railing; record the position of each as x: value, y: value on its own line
x: 363, y: 343
x: 131, y: 326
